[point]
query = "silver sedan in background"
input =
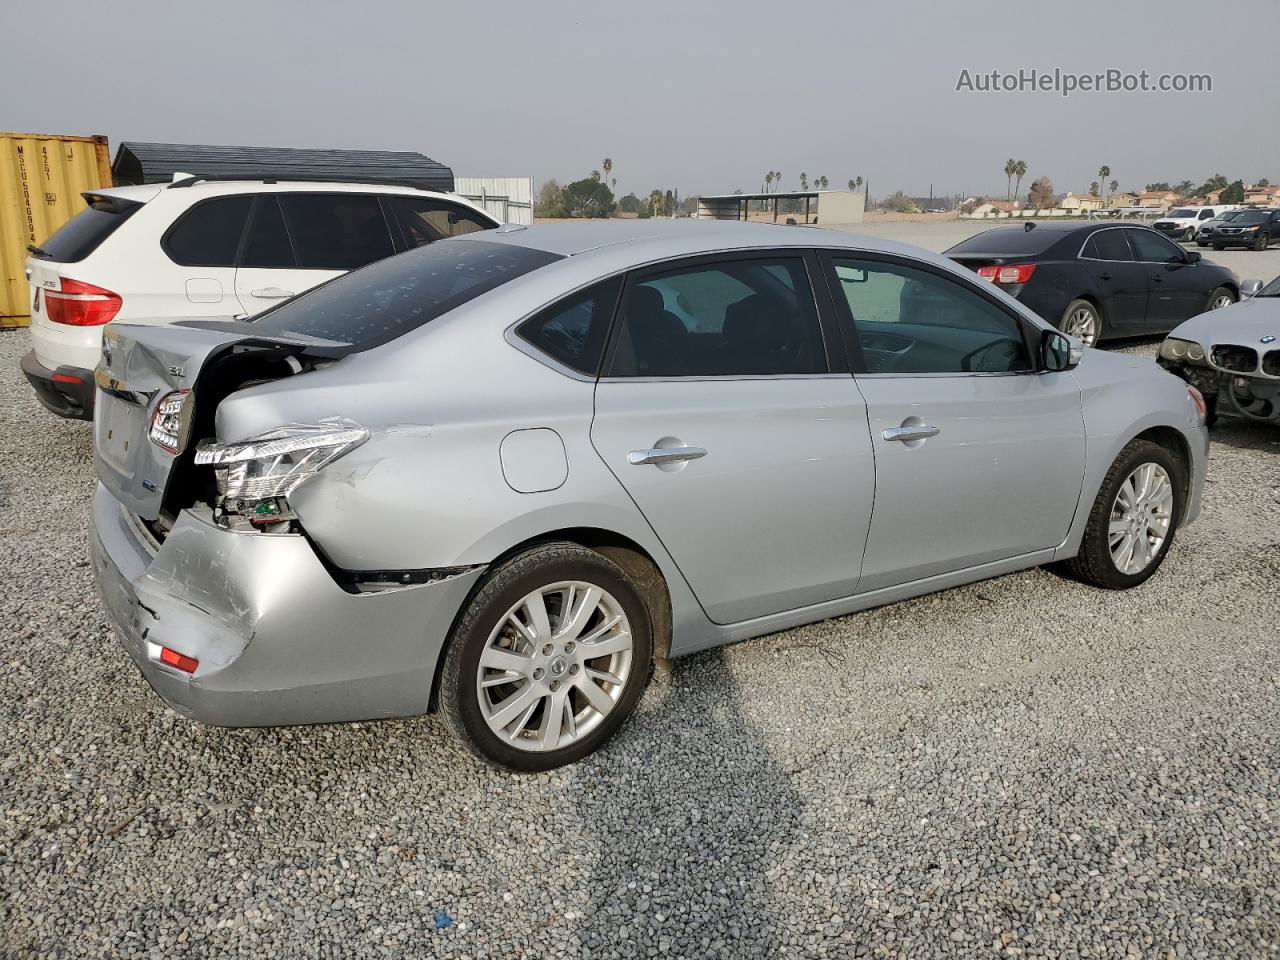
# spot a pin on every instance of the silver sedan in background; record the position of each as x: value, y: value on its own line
x: 505, y: 473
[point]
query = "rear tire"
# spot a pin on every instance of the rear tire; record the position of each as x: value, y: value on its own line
x: 549, y: 664
x: 1082, y: 317
x: 1122, y: 514
x: 1219, y: 247
x: 1263, y: 241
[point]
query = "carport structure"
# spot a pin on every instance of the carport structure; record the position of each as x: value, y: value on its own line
x: 828, y: 207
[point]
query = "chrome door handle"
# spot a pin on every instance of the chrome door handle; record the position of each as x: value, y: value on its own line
x: 272, y: 293
x: 665, y: 455
x: 922, y: 431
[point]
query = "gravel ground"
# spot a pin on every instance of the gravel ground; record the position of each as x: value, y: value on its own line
x: 1025, y: 767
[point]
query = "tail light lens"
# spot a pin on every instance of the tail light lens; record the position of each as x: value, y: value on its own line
x: 80, y: 304
x: 1010, y: 274
x: 168, y: 423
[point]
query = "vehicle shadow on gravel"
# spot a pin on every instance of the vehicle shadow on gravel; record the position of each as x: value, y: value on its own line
x: 689, y: 827
x: 1246, y: 434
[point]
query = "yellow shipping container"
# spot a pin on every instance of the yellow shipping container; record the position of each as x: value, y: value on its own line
x: 41, y: 179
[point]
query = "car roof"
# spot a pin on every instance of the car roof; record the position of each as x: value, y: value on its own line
x: 214, y: 187
x: 680, y: 236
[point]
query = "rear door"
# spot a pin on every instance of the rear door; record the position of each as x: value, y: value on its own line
x: 979, y: 458
x: 1121, y: 281
x: 1177, y: 288
x: 299, y: 240
x: 725, y: 414
x: 201, y: 245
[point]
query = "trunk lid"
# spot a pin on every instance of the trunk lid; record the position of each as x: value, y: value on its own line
x: 142, y: 366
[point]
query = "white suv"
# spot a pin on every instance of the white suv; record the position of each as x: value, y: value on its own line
x: 207, y: 248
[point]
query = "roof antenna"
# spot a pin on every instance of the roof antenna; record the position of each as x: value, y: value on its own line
x: 1029, y: 226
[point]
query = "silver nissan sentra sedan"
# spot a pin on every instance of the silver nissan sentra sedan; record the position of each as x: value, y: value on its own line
x: 507, y: 472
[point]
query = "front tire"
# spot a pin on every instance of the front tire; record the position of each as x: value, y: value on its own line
x: 1221, y: 297
x: 1263, y: 241
x: 1082, y: 319
x: 548, y: 659
x: 1133, y: 520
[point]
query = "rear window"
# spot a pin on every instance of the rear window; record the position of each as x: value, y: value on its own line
x: 1016, y: 241
x: 84, y: 233
x: 387, y: 299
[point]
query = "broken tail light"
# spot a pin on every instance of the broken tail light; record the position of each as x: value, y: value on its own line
x: 169, y: 421
x: 255, y: 476
x: 80, y: 304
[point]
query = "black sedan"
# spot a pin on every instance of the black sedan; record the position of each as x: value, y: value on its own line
x: 1099, y: 281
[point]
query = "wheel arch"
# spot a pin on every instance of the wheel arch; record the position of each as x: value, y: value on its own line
x: 632, y: 557
x: 1173, y: 440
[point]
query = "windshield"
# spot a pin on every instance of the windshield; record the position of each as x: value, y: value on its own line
x: 1272, y: 289
x: 1181, y: 214
x: 385, y: 300
x: 1253, y: 216
x: 1227, y: 215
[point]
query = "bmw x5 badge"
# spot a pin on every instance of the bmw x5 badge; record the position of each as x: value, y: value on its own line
x: 1269, y: 338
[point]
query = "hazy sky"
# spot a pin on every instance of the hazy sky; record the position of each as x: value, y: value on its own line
x: 699, y: 96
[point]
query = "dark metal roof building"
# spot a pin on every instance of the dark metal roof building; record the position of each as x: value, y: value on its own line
x: 158, y: 162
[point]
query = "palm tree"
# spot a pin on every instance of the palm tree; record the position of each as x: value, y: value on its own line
x: 1019, y: 171
x: 777, y: 177
x: 607, y: 165
x: 1010, y: 168
x: 1103, y: 172
x: 1093, y: 189
x: 851, y: 186
x: 655, y: 202
x: 804, y: 181
x: 768, y: 181
x: 857, y: 182
x: 1115, y: 185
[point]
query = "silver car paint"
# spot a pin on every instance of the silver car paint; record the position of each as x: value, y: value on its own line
x: 431, y: 489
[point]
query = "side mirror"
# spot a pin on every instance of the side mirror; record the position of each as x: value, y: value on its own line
x: 1059, y: 352
x: 1193, y: 256
x: 1250, y: 288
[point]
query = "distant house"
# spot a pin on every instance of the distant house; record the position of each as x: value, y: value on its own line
x: 1161, y: 199
x: 993, y: 208
x: 1265, y: 196
x: 1081, y: 203
x: 1122, y: 200
x: 1213, y: 197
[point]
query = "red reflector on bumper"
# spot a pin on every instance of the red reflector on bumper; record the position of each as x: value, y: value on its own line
x: 64, y: 378
x: 175, y: 659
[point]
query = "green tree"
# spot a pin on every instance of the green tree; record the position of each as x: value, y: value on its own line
x: 550, y: 202
x: 1019, y: 171
x: 631, y: 204
x: 1010, y: 168
x: 607, y: 166
x: 655, y: 202
x: 588, y: 198
x: 1093, y: 189
x: 1103, y: 172
x: 1233, y: 193
x: 1216, y: 182
x: 1159, y: 187
x: 1115, y: 184
x: 804, y: 181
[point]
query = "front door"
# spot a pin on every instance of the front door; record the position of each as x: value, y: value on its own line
x: 744, y: 447
x: 979, y: 458
x: 1177, y: 287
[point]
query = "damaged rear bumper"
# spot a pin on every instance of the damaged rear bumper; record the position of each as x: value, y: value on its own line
x: 277, y: 640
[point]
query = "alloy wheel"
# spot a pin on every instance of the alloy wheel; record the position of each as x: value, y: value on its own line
x: 1083, y: 323
x: 1220, y: 302
x: 1141, y: 515
x: 555, y: 666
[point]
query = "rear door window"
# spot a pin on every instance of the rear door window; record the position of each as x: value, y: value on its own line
x: 422, y: 220
x: 336, y: 231
x: 749, y: 317
x: 1108, y: 245
x: 208, y: 235
x: 388, y: 299
x: 268, y: 242
x: 85, y: 232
